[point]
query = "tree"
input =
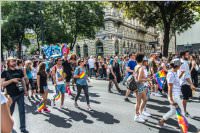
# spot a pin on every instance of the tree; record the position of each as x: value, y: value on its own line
x: 16, y: 21
x: 172, y: 16
x: 76, y: 19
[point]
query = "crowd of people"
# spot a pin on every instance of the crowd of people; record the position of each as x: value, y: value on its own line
x: 135, y: 71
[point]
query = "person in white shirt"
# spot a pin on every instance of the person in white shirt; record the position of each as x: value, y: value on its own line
x: 185, y: 80
x: 174, y: 90
x: 91, y: 62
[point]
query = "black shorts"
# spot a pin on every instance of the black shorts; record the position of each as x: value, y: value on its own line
x: 186, y: 91
x: 33, y: 87
x: 68, y: 78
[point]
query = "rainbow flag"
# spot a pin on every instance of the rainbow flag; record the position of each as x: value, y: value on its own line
x: 57, y: 96
x: 40, y: 106
x: 160, y: 77
x: 81, y: 75
x: 183, y: 123
x: 161, y: 73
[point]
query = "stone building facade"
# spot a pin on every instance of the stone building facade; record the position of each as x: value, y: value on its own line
x: 120, y: 36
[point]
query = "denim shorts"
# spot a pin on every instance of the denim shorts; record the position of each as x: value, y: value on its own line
x: 45, y: 88
x: 141, y: 88
x: 61, y: 88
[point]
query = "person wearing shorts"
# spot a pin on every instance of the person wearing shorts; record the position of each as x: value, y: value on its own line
x: 130, y: 70
x: 59, y: 79
x: 185, y: 80
x: 42, y: 85
x: 67, y: 73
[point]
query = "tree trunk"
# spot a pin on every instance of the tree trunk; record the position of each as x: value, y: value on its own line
x: 2, y: 57
x: 73, y: 43
x: 166, y: 40
x: 19, y: 50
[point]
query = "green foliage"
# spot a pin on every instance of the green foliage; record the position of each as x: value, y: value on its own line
x: 171, y: 16
x: 53, y: 22
x: 75, y: 19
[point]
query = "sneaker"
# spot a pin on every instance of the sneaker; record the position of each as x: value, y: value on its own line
x: 139, y: 119
x: 153, y: 93
x: 126, y: 99
x: 110, y: 91
x: 24, y: 131
x: 53, y: 103
x: 61, y: 107
x: 158, y: 95
x: 90, y: 109
x: 32, y: 97
x: 188, y: 115
x: 39, y: 111
x: 146, y: 113
x: 144, y: 117
x: 46, y: 110
x: 76, y: 105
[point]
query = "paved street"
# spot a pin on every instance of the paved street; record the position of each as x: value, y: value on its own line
x: 111, y: 114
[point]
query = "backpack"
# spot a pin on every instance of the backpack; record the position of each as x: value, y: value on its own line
x: 132, y: 84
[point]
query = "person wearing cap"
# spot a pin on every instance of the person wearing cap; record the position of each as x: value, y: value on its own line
x: 185, y: 80
x: 81, y: 82
x: 174, y: 90
x: 13, y: 80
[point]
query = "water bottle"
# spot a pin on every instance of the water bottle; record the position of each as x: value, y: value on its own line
x: 20, y: 86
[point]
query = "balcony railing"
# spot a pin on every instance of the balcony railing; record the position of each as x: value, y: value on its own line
x: 141, y: 29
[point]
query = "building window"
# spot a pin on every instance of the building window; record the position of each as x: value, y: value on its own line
x: 78, y: 50
x: 85, y: 50
x: 99, y: 49
x: 117, y: 47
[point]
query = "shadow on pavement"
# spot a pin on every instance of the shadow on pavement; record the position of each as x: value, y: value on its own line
x: 83, y: 99
x: 196, y: 118
x: 105, y: 117
x: 166, y: 102
x: 93, y: 94
x: 76, y: 116
x: 58, y: 121
x: 171, y: 122
x: 162, y: 109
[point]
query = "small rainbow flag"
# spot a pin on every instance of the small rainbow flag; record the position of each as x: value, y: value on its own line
x: 41, y: 106
x: 57, y: 96
x: 160, y: 77
x: 183, y: 123
x: 161, y: 73
x: 81, y: 75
